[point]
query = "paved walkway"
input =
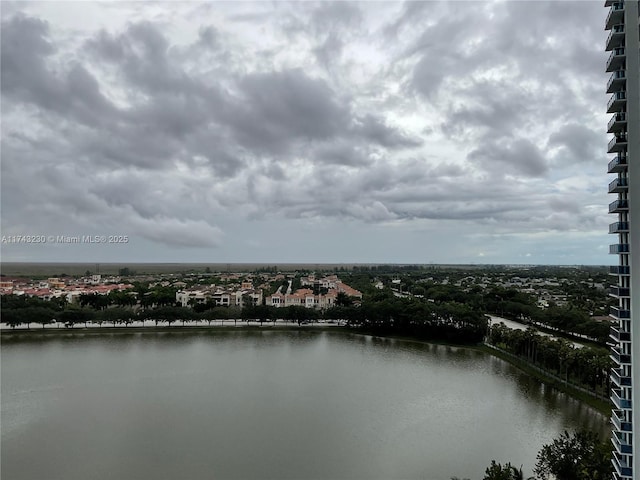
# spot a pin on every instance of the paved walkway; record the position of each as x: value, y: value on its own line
x: 521, y: 326
x: 177, y: 324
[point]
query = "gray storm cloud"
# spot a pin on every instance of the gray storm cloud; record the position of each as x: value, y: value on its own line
x: 334, y: 111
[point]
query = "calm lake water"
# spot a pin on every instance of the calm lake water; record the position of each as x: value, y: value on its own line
x: 287, y: 405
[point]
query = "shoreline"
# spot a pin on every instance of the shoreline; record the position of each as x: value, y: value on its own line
x: 160, y: 329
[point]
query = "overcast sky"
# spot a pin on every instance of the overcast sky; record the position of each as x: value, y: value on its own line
x: 417, y: 132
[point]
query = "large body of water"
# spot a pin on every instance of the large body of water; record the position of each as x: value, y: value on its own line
x: 287, y: 405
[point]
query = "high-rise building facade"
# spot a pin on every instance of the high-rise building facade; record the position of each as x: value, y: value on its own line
x: 623, y: 24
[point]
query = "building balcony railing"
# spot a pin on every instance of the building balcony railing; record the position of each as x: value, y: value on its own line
x: 617, y: 102
x: 622, y: 469
x: 619, y: 291
x: 615, y: 37
x: 619, y: 227
x: 619, y: 421
x: 620, y: 359
x: 616, y: 59
x: 619, y: 312
x: 623, y: 472
x: 615, y: 15
x: 618, y: 164
x: 618, y: 206
x: 621, y: 381
x: 618, y: 143
x: 617, y: 248
x: 616, y: 81
x: 617, y: 336
x: 619, y: 270
x: 618, y: 122
x: 620, y: 446
x: 616, y: 339
x: 618, y: 401
x: 619, y: 185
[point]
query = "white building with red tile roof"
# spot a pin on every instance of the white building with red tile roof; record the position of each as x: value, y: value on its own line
x: 305, y: 297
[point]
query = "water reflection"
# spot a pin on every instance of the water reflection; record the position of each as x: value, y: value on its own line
x: 256, y: 404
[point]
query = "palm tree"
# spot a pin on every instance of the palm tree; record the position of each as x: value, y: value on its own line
x: 497, y: 471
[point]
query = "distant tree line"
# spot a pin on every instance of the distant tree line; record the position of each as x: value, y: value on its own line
x: 443, y: 321
x: 441, y: 312
x: 571, y: 320
x: 383, y: 314
x: 519, y: 306
x: 388, y: 268
x: 23, y: 310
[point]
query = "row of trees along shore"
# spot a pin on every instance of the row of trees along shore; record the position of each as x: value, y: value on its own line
x: 586, y: 367
x: 381, y: 314
x: 507, y: 302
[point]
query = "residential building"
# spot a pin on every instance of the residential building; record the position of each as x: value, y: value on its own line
x: 306, y: 297
x: 56, y: 283
x: 218, y: 297
x: 624, y: 86
x: 254, y: 294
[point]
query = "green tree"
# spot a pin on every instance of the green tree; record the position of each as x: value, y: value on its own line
x: 418, y: 291
x: 579, y: 456
x: 121, y: 298
x: 343, y: 300
x: 15, y: 317
x: 507, y: 471
x: 248, y: 301
x: 163, y: 296
x: 167, y: 314
x: 117, y: 315
x: 43, y: 316
x: 73, y: 314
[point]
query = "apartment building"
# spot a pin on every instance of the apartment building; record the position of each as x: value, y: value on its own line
x: 624, y: 104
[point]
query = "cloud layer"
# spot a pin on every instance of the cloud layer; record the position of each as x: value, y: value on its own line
x: 198, y: 128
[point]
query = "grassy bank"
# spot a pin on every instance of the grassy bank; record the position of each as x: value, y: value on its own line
x: 602, y: 406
